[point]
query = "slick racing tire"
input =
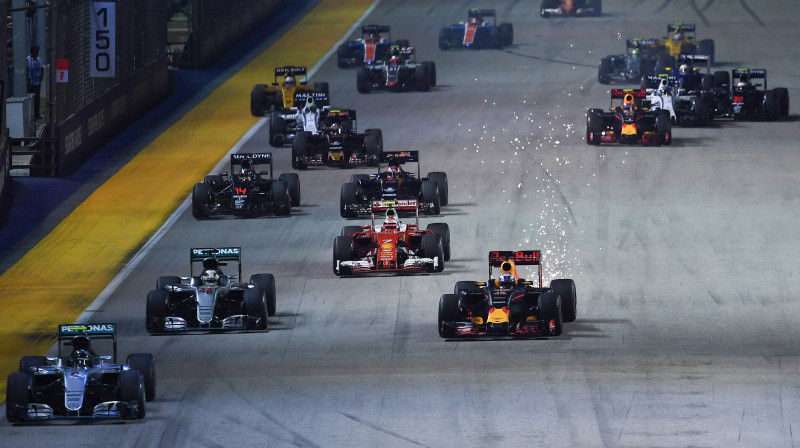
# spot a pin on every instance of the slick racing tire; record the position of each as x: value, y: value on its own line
x: 506, y: 34
x: 783, y: 100
x: 432, y: 248
x: 146, y: 365
x: 343, y: 56
x: 700, y: 111
x: 594, y: 126
x: 277, y: 127
x: 722, y: 79
x: 771, y: 106
x: 321, y: 87
x: 293, y: 183
x: 167, y: 280
x: 255, y: 305
x: 565, y: 288
x: 495, y: 38
x: 440, y: 177
x: 373, y: 144
x: 448, y: 312
x: 131, y: 388
x: 258, y: 101
x: 430, y: 67
x: 421, y: 79
x: 347, y: 197
x: 362, y: 80
x: 300, y: 150
x: 550, y: 309
x: 706, y: 46
x: 213, y: 179
x: 281, y: 198
x: 201, y: 194
x: 597, y: 5
x: 445, y: 37
x: 604, y: 71
x: 18, y: 395
x: 464, y: 285
x: 430, y: 194
x: 342, y: 251
x: 28, y: 362
x: 156, y: 310
x: 267, y: 283
x: 664, y: 127
x: 356, y: 178
x: 443, y: 230
x: 347, y: 230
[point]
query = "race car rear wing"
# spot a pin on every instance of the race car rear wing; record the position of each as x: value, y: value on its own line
x: 375, y: 29
x: 638, y: 94
x: 752, y: 73
x: 653, y: 81
x: 346, y: 118
x: 640, y: 43
x: 476, y: 12
x: 685, y: 58
x: 518, y: 257
x: 685, y: 27
x: 296, y: 71
x: 321, y: 99
x: 100, y: 331
x: 401, y: 205
x: 402, y: 156
x: 258, y: 158
x: 221, y: 254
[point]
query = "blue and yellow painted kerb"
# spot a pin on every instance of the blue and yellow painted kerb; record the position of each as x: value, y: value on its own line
x: 94, y: 242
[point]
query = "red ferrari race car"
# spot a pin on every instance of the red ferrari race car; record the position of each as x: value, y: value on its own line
x: 508, y: 305
x: 391, y: 246
x: 630, y: 122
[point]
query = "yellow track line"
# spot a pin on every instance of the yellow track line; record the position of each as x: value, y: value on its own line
x: 59, y: 277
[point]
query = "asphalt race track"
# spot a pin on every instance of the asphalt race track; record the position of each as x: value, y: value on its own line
x: 684, y: 259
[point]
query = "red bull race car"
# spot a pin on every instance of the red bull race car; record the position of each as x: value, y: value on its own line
x: 629, y: 123
x: 508, y: 305
x: 391, y: 246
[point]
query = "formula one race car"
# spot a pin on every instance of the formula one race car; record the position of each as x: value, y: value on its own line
x: 283, y: 101
x: 358, y: 195
x: 80, y: 383
x: 551, y: 8
x: 370, y: 49
x: 684, y: 92
x: 210, y: 300
x: 399, y: 73
x: 331, y: 138
x: 246, y: 191
x: 508, y: 305
x: 680, y: 39
x: 391, y: 247
x: 632, y: 122
x: 476, y: 32
x: 744, y: 100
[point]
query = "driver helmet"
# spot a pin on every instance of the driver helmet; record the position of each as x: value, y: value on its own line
x: 678, y: 34
x: 394, y: 167
x: 744, y: 80
x: 663, y: 86
x: 395, y: 60
x: 506, y: 280
x: 288, y: 81
x: 390, y: 223
x: 82, y: 358
x: 374, y: 37
x: 635, y: 53
x: 628, y: 104
x: 684, y: 69
x: 210, y: 278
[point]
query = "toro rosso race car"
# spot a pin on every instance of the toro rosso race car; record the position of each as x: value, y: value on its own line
x: 331, y: 138
x: 391, y: 246
x: 508, y: 305
x: 739, y: 97
x: 551, y: 8
x: 248, y: 190
x: 283, y: 101
x: 395, y: 183
x: 211, y: 300
x: 477, y: 32
x: 81, y: 383
x: 372, y: 48
x: 630, y: 123
x: 399, y: 73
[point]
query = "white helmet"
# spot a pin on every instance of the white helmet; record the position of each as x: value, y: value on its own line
x: 684, y: 69
x: 391, y: 220
x: 210, y: 278
x: 288, y: 81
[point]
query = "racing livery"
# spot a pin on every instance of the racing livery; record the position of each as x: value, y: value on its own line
x: 738, y: 97
x: 283, y: 101
x: 370, y: 49
x: 508, y: 305
x: 79, y: 383
x: 246, y: 191
x: 684, y: 92
x: 551, y: 8
x: 477, y: 32
x: 399, y: 73
x: 637, y: 125
x: 393, y: 246
x: 211, y: 300
x: 358, y: 195
x: 331, y: 138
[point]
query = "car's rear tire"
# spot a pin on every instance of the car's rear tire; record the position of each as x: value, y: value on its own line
x: 18, y: 395
x: 146, y: 365
x: 347, y: 197
x: 131, y: 388
x: 300, y: 150
x: 443, y: 230
x: 722, y: 79
x: 430, y: 194
x: 373, y: 143
x: 255, y: 305
x: 342, y: 251
x: 430, y: 66
x: 281, y: 198
x: 664, y: 127
x: 343, y: 56
x: 550, y: 309
x: 771, y: 106
x: 28, y: 362
x: 258, y: 100
x: 156, y: 310
x: 445, y: 37
x: 277, y: 127
x: 594, y: 126
x: 783, y: 101
x: 421, y: 78
x: 167, y: 280
x: 440, y: 177
x: 293, y: 183
x: 362, y: 80
x: 432, y: 248
x: 448, y: 312
x: 267, y: 283
x: 347, y: 230
x: 321, y: 87
x: 706, y: 46
x: 464, y: 285
x: 565, y: 288
x: 201, y: 196
x: 506, y: 34
x: 604, y: 70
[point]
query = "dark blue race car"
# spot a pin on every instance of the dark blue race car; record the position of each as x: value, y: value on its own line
x: 373, y: 47
x: 477, y: 32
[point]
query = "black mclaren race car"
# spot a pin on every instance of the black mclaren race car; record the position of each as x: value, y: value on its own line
x: 508, y: 305
x: 333, y: 140
x: 739, y: 97
x: 373, y: 47
x: 399, y: 73
x: 359, y: 195
x: 84, y: 381
x: 246, y: 191
x: 210, y: 300
x: 477, y: 32
x: 630, y: 123
x: 575, y: 8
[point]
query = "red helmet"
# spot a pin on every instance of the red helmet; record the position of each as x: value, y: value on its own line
x: 395, y: 60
